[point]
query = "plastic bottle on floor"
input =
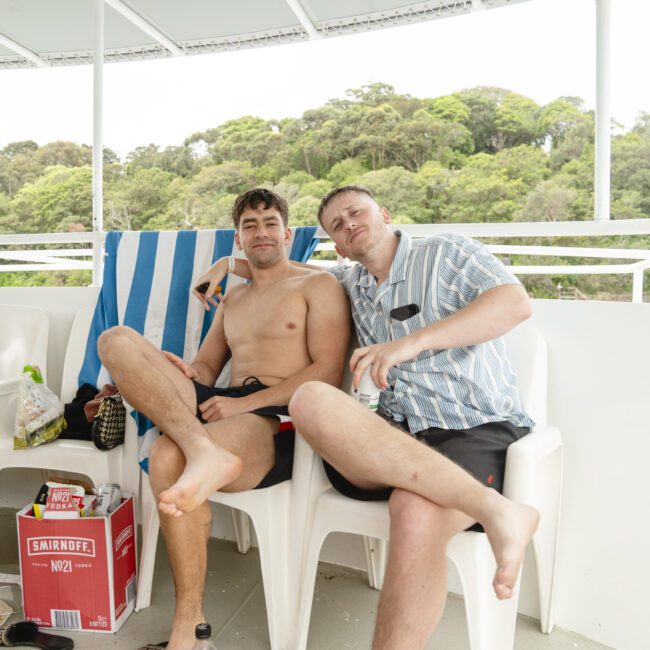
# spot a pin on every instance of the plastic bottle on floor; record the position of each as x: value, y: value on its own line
x: 202, y: 634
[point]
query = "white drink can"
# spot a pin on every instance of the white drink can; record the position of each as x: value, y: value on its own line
x: 109, y: 497
x: 368, y: 392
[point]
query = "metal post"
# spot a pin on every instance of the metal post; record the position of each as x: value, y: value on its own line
x: 637, y: 284
x: 98, y: 161
x: 602, y: 173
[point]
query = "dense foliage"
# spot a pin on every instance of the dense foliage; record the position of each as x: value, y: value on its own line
x: 479, y: 155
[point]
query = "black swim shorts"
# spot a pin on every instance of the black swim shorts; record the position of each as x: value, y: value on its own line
x: 480, y: 451
x: 284, y: 439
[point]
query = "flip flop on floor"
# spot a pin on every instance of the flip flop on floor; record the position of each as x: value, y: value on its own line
x: 154, y: 646
x: 27, y: 633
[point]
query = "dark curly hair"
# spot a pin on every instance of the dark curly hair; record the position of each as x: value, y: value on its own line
x: 252, y: 200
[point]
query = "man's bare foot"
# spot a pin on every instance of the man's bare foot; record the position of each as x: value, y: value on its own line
x: 205, y: 472
x: 509, y: 530
x: 182, y: 637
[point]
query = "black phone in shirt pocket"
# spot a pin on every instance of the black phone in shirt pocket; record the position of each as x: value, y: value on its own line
x: 405, y: 312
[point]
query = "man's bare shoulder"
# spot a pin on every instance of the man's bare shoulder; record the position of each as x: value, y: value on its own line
x: 322, y: 282
x: 235, y: 293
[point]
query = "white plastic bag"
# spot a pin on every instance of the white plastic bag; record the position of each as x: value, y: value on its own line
x: 39, y: 415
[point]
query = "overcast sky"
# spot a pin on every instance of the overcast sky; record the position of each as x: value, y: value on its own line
x: 543, y: 49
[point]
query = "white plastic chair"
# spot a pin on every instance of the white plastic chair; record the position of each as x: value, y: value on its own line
x: 119, y: 465
x: 278, y: 514
x: 24, y: 331
x: 533, y: 476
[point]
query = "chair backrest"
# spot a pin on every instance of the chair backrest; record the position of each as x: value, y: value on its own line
x: 74, y: 354
x: 529, y: 358
x: 24, y: 332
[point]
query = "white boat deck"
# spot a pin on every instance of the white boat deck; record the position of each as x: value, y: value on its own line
x: 343, y: 611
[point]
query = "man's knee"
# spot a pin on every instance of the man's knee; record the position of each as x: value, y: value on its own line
x: 114, y: 342
x: 415, y: 519
x: 308, y: 400
x: 166, y: 462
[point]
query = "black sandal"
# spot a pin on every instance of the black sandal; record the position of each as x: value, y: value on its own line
x: 27, y: 633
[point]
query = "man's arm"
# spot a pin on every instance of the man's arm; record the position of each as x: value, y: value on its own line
x: 328, y: 338
x: 213, y: 353
x: 218, y: 271
x: 490, y: 315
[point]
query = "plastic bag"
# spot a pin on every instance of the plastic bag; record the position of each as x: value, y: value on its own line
x: 39, y: 416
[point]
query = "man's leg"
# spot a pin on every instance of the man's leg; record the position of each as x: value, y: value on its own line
x: 248, y: 436
x: 415, y: 586
x: 157, y: 388
x: 364, y: 448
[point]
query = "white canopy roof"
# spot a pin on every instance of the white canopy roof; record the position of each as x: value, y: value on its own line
x: 61, y: 32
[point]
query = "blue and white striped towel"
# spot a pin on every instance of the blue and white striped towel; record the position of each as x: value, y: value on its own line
x: 146, y: 286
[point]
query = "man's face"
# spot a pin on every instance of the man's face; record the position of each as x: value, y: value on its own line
x: 355, y: 223
x: 262, y: 236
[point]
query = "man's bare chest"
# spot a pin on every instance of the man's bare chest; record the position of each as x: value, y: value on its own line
x: 275, y: 314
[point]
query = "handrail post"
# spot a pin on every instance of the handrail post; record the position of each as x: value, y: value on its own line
x: 98, y: 259
x: 98, y: 147
x: 602, y: 166
x: 637, y: 284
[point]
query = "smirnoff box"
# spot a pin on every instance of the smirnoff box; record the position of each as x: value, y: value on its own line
x: 78, y: 574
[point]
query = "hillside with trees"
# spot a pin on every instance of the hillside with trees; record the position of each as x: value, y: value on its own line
x: 479, y: 155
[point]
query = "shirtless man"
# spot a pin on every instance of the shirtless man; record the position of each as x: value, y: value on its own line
x: 429, y: 315
x: 277, y: 329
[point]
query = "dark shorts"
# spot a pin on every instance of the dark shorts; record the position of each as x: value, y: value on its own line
x: 480, y: 451
x: 284, y: 439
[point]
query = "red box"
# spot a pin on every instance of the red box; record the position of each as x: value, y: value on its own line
x: 78, y: 574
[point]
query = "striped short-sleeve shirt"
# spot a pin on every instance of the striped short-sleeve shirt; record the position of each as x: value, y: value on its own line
x: 457, y: 388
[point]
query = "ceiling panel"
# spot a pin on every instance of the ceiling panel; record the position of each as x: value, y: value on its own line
x: 61, y: 31
x: 207, y: 19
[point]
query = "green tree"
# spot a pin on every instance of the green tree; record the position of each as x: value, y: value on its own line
x: 482, y: 102
x: 450, y: 108
x: 24, y: 147
x: 399, y: 190
x: 482, y: 191
x: 60, y: 200
x: 425, y: 137
x: 515, y: 121
x: 549, y: 201
x: 318, y: 189
x: 135, y: 199
x: 346, y: 172
x: 234, y: 177
x: 374, y: 129
x: 304, y: 211
x: 63, y: 153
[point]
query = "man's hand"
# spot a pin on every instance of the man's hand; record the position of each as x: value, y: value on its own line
x: 383, y: 357
x: 189, y: 371
x: 212, y: 277
x: 219, y: 408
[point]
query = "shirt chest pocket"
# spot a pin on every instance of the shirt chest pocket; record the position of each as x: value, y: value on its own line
x: 401, y: 328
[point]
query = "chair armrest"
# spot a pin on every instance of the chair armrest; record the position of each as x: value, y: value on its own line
x: 537, y: 445
x: 310, y: 467
x: 533, y: 460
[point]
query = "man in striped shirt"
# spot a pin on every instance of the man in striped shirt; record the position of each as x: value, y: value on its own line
x: 429, y: 315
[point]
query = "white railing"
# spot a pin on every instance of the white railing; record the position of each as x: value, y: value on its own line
x: 637, y: 260
x: 52, y: 259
